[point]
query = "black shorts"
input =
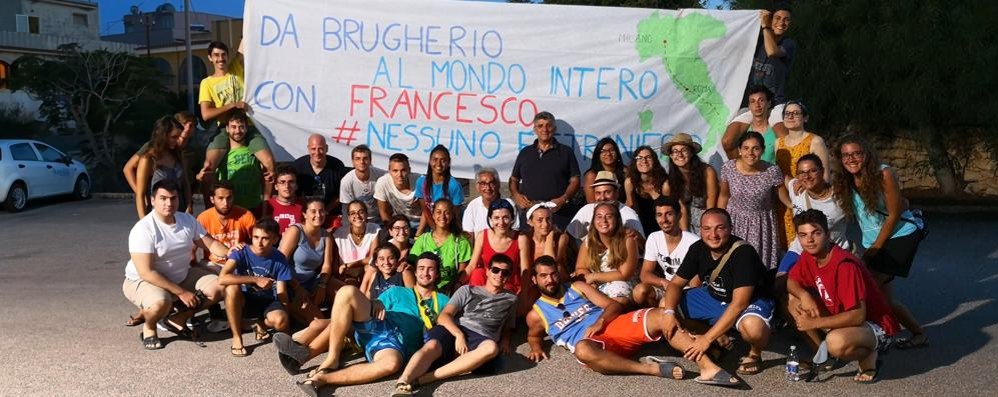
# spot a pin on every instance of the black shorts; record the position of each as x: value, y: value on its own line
x: 896, y: 256
x: 255, y: 307
x: 447, y: 341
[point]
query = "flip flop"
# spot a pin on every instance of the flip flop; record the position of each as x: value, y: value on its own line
x: 909, y: 343
x: 667, y: 366
x: 238, y: 351
x: 150, y: 342
x: 307, y: 386
x: 260, y: 333
x: 403, y: 389
x: 872, y: 373
x: 133, y: 320
x: 750, y: 365
x: 183, y: 332
x: 721, y: 378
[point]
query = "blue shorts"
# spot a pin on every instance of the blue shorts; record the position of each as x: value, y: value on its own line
x: 376, y: 336
x: 697, y: 304
x: 257, y: 307
x: 447, y: 341
x: 788, y: 262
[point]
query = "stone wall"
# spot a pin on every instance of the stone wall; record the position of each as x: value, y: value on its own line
x: 910, y: 160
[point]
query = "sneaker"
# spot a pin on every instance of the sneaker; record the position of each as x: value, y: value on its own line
x: 215, y: 326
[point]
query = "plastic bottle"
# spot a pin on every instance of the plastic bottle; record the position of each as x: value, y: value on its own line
x: 793, y: 365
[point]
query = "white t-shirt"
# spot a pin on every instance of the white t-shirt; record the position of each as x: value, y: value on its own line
x: 476, y: 216
x: 171, y: 244
x: 657, y: 250
x: 401, y: 203
x: 580, y: 223
x: 351, y: 252
x: 837, y: 222
x: 352, y: 188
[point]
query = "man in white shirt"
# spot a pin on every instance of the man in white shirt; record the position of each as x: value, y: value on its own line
x: 359, y: 183
x: 606, y: 188
x: 395, y: 193
x: 664, y: 251
x: 476, y: 213
x: 159, y: 272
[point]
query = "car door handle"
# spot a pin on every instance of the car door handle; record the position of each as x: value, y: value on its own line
x: 20, y: 166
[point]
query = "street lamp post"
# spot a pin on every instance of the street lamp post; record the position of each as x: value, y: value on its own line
x: 190, y: 58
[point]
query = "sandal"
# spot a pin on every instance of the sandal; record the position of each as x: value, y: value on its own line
x: 260, y: 333
x: 135, y: 320
x: 150, y: 342
x: 181, y: 331
x: 870, y: 374
x: 749, y: 365
x: 721, y: 378
x: 238, y: 351
x: 916, y: 341
x: 308, y: 387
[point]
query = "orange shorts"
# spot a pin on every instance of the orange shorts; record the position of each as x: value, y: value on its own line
x: 626, y: 334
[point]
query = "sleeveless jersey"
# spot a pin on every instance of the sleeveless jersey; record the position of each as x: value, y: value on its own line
x: 566, y: 320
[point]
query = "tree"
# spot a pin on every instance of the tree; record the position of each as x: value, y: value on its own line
x: 900, y: 67
x: 94, y: 91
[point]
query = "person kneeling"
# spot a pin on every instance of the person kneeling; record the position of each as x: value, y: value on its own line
x: 255, y: 279
x: 854, y: 314
x: 470, y: 333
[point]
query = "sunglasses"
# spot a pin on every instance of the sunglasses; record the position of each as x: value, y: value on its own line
x: 504, y: 272
x: 564, y: 313
x: 428, y: 310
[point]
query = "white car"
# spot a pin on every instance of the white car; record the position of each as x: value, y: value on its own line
x: 31, y: 169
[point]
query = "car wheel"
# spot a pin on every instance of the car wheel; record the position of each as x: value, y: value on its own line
x: 17, y: 197
x: 81, y: 190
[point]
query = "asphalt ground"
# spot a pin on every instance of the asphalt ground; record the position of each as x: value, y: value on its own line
x: 61, y: 333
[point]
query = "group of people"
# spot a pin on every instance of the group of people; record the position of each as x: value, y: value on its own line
x: 319, y: 257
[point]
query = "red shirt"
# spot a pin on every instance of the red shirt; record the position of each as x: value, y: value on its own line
x: 285, y: 215
x: 842, y: 284
x: 478, y: 276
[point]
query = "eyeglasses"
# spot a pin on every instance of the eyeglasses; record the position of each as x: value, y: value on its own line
x: 486, y: 183
x: 357, y: 213
x: 643, y: 158
x: 399, y: 228
x: 795, y: 113
x: 682, y: 150
x: 564, y: 313
x: 853, y: 155
x: 503, y: 272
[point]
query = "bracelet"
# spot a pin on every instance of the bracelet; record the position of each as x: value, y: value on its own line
x: 669, y: 311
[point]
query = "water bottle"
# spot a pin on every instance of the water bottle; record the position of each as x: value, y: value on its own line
x: 793, y: 365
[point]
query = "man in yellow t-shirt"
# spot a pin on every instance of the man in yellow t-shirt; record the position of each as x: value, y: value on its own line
x: 221, y: 94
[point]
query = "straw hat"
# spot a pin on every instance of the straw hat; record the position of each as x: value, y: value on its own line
x: 606, y: 178
x: 681, y: 138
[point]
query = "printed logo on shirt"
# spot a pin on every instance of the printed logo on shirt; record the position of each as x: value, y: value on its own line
x: 823, y: 292
x: 575, y: 316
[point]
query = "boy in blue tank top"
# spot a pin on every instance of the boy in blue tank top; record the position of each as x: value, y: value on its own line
x: 588, y: 323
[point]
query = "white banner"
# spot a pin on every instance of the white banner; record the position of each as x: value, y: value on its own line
x: 404, y: 76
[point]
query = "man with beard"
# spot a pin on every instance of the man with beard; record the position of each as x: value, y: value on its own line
x: 225, y: 222
x: 577, y: 316
x: 389, y: 329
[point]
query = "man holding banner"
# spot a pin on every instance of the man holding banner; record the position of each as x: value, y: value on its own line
x: 553, y: 172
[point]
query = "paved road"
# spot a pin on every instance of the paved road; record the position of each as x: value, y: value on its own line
x: 61, y: 267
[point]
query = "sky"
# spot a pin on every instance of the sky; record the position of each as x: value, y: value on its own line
x: 112, y: 11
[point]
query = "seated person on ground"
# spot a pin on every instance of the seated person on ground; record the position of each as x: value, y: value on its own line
x: 225, y: 222
x: 472, y: 330
x: 311, y: 255
x: 853, y: 315
x: 664, y: 251
x: 256, y: 284
x: 386, y: 274
x: 389, y: 329
x: 608, y: 257
x: 159, y: 271
x: 734, y: 293
x: 589, y: 324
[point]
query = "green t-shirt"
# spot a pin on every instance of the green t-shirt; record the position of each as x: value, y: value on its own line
x: 769, y: 141
x: 453, y: 251
x: 242, y: 170
x: 402, y: 310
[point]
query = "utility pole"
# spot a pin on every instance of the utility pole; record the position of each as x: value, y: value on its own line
x: 190, y: 58
x: 148, y: 22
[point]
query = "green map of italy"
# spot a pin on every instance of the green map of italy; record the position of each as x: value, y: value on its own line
x: 677, y: 42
